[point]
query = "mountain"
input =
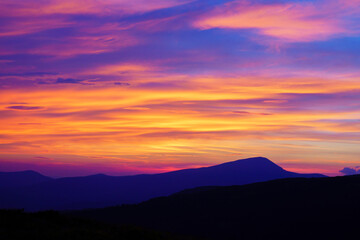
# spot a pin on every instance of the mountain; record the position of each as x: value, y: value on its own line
x: 21, y: 179
x: 298, y: 208
x: 101, y: 190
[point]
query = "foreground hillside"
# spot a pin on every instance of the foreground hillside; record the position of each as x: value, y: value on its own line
x: 317, y: 208
x: 15, y: 224
x: 101, y: 191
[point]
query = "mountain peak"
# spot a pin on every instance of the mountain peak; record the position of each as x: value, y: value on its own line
x: 257, y: 159
x: 251, y: 161
x: 254, y: 164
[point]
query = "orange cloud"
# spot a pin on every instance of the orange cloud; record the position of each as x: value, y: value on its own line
x: 151, y: 104
x: 117, y: 69
x: 220, y: 118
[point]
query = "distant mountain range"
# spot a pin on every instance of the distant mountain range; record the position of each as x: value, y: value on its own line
x: 32, y: 191
x: 296, y: 209
x: 21, y: 179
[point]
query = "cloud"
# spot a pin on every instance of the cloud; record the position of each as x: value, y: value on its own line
x: 83, y: 42
x: 104, y: 7
x: 69, y: 80
x: 350, y: 171
x: 4, y: 61
x: 63, y: 81
x: 293, y: 22
x: 118, y: 69
x: 20, y: 145
x: 93, y: 35
x: 15, y: 27
x: 192, y: 89
x: 121, y: 84
x: 28, y: 74
x: 21, y: 107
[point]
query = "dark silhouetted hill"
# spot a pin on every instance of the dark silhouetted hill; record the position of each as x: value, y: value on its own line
x: 317, y: 208
x: 17, y: 225
x: 101, y: 190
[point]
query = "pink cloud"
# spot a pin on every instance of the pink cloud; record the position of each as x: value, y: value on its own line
x: 86, y: 39
x: 105, y: 7
x: 352, y: 3
x: 90, y: 44
x: 293, y: 22
x: 26, y: 17
x: 24, y: 26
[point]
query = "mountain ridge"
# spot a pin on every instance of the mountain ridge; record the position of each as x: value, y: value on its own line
x: 101, y: 190
x: 21, y: 178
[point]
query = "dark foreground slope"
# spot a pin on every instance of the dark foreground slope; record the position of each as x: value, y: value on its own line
x: 15, y: 224
x: 101, y: 190
x: 281, y: 209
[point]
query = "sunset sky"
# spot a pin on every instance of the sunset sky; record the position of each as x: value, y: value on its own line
x: 125, y: 87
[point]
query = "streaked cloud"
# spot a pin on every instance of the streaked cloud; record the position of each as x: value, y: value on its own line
x: 105, y: 7
x: 14, y: 27
x: 293, y: 22
x: 21, y: 107
x: 141, y: 86
x: 117, y: 69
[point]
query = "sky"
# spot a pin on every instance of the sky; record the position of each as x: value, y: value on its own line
x: 126, y: 87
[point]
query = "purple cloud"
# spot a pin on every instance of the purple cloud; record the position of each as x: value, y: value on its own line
x: 21, y: 107
x: 350, y: 171
x: 121, y: 84
x: 69, y: 80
